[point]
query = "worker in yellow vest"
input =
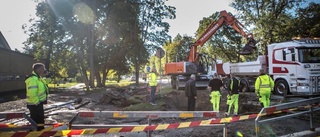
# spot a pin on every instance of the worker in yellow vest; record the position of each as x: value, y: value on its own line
x: 215, y: 86
x: 234, y: 88
x: 263, y: 86
x: 152, y: 77
x: 37, y: 93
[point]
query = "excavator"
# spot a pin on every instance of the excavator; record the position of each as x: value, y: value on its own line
x: 198, y: 63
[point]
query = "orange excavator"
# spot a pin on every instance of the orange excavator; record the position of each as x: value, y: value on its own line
x: 198, y: 63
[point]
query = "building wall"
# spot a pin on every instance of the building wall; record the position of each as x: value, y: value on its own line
x: 14, y: 67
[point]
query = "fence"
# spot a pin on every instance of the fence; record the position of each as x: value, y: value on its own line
x: 150, y: 115
x: 300, y: 105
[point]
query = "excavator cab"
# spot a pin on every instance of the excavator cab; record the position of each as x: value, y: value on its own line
x: 249, y: 47
x: 202, y: 64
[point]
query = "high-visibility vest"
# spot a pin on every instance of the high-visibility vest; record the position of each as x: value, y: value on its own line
x: 37, y: 91
x: 231, y: 85
x: 152, y: 79
x: 265, y: 84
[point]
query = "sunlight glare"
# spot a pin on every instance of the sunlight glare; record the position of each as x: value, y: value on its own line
x: 84, y: 13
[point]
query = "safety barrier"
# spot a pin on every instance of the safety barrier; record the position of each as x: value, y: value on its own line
x: 137, y: 128
x: 150, y: 115
x: 215, y: 121
x: 15, y: 115
x: 301, y: 105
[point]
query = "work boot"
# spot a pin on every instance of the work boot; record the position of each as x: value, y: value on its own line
x: 236, y: 114
x: 226, y: 114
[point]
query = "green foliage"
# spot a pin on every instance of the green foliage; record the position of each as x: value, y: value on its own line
x: 79, y: 36
x: 307, y: 21
x: 179, y: 48
x: 269, y: 20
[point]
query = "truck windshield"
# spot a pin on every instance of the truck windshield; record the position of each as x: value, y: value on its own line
x: 309, y: 55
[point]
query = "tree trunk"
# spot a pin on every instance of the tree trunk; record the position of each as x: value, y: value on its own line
x: 91, y: 54
x: 104, y: 76
x: 98, y: 77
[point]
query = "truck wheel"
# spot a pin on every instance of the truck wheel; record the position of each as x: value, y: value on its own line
x: 281, y: 87
x: 246, y: 86
x: 173, y: 84
x: 177, y: 85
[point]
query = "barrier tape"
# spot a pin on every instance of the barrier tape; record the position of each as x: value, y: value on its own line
x: 17, y: 126
x: 141, y: 128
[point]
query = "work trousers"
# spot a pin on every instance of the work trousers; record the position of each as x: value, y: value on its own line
x: 265, y: 97
x: 37, y: 115
x: 152, y: 94
x: 235, y: 103
x: 191, y: 103
x: 215, y: 100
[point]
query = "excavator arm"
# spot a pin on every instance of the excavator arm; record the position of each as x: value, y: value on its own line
x: 225, y: 18
x: 197, y: 63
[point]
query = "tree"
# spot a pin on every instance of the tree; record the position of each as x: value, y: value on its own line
x: 88, y: 35
x: 269, y: 19
x: 152, y: 27
x: 306, y: 23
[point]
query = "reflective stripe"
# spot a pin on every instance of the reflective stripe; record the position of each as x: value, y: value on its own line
x: 28, y: 103
x: 264, y: 85
x: 231, y: 85
x: 40, y: 95
x: 31, y: 87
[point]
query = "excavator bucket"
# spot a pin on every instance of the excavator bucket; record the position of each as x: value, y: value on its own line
x: 249, y: 47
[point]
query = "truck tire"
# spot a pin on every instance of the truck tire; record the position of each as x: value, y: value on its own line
x: 173, y: 82
x: 177, y: 85
x: 246, y: 86
x: 281, y: 87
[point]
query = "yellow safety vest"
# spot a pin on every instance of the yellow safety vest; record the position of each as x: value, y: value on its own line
x: 152, y: 79
x: 37, y: 90
x: 265, y: 83
x: 231, y: 85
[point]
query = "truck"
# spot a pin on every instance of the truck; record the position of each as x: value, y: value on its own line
x: 14, y: 67
x: 199, y: 64
x: 293, y: 65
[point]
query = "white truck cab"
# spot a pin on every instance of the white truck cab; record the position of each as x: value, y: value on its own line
x: 293, y: 65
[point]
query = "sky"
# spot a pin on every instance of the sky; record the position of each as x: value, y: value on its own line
x: 15, y: 13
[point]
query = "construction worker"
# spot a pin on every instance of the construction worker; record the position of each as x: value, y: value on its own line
x: 191, y: 92
x: 215, y: 86
x: 263, y: 86
x: 152, y: 77
x: 233, y: 90
x: 37, y: 93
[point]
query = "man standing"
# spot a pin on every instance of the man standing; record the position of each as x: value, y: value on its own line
x: 234, y: 88
x: 263, y: 87
x: 153, y: 85
x: 37, y: 93
x: 191, y: 92
x: 215, y: 86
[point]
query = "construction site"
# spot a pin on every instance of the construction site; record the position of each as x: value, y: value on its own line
x: 126, y: 112
x: 94, y: 69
